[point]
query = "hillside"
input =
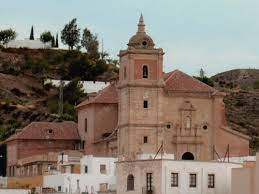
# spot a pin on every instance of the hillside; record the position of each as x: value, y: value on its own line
x: 23, y: 96
x: 242, y: 100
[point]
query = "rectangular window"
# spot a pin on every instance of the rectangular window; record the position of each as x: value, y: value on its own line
x: 193, y: 180
x: 86, y: 125
x: 86, y: 169
x: 174, y: 179
x: 211, y: 180
x: 103, y: 169
x: 59, y: 188
x: 149, y: 182
x: 145, y: 139
x: 145, y: 104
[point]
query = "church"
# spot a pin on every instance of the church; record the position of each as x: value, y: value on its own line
x: 146, y: 111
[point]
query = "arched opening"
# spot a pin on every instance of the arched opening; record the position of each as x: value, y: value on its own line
x: 130, y: 182
x: 145, y: 71
x: 187, y: 156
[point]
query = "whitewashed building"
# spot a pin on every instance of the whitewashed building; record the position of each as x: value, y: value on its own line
x: 31, y: 44
x: 97, y: 174
x: 88, y: 86
x: 167, y: 176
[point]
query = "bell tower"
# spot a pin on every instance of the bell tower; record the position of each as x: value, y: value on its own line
x: 140, y: 95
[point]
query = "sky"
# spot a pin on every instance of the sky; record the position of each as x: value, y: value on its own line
x: 216, y: 35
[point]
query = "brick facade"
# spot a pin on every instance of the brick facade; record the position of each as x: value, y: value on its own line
x: 40, y: 138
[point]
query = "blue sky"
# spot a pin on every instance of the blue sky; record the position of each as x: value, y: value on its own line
x: 216, y: 35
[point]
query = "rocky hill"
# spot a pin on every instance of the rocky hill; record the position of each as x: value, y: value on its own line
x: 242, y: 100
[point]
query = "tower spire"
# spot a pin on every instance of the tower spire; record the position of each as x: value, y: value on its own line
x: 141, y: 25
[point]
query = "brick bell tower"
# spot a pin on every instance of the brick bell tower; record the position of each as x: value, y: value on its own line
x: 140, y: 96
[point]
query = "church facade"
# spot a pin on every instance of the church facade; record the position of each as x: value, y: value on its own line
x: 147, y: 110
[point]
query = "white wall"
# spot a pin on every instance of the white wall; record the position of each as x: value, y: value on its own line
x: 14, y: 191
x: 88, y: 86
x: 94, y: 163
x: 87, y: 182
x: 221, y: 170
x: 32, y: 44
x: 162, y: 169
x: 68, y: 182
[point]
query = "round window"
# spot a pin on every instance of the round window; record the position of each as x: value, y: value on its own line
x: 144, y: 43
x: 205, y: 127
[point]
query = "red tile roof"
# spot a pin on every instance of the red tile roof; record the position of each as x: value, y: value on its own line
x: 66, y: 130
x: 179, y: 81
x: 175, y: 81
x: 108, y: 95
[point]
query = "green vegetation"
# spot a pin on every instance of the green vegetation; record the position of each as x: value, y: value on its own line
x: 203, y: 78
x: 72, y: 94
x: 46, y: 37
x: 90, y: 43
x: 70, y: 35
x: 256, y: 85
x: 6, y: 36
x: 32, y: 34
x: 56, y: 43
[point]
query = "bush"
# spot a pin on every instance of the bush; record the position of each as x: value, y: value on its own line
x: 205, y: 80
x: 256, y: 85
x: 52, y: 105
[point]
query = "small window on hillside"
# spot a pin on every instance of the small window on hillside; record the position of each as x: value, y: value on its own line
x: 86, y: 169
x: 145, y: 104
x: 86, y: 124
x: 50, y: 131
x: 145, y: 139
x: 145, y: 71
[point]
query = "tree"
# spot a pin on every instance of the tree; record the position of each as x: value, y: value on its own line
x: 32, y: 34
x: 46, y: 37
x: 70, y: 35
x: 73, y: 91
x: 52, y: 42
x: 6, y: 36
x: 90, y: 43
x: 56, y: 45
x: 202, y: 73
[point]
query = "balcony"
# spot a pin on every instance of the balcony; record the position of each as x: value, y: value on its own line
x: 146, y: 190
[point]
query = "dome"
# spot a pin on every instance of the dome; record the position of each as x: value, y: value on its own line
x: 141, y: 39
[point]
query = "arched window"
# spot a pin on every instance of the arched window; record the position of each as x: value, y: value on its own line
x: 130, y: 183
x: 145, y: 71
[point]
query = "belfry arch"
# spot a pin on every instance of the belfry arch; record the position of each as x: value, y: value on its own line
x: 187, y: 156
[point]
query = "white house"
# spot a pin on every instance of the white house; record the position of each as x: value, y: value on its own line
x: 88, y: 86
x: 166, y: 176
x: 97, y: 174
x: 31, y: 44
